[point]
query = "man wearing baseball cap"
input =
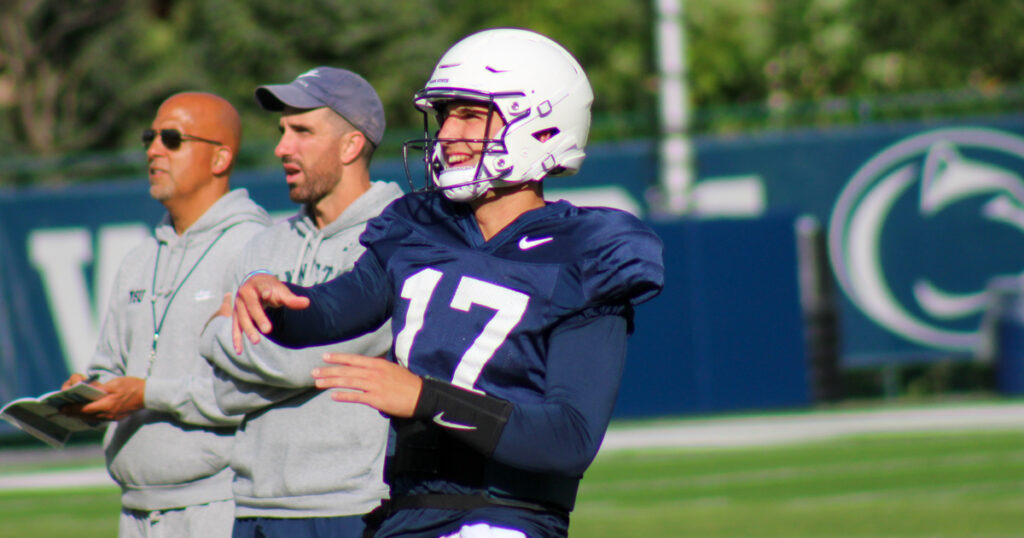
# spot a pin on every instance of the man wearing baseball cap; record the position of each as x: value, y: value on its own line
x: 307, y: 466
x: 343, y: 91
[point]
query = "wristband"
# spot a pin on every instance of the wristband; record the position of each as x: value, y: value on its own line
x: 258, y: 272
x: 474, y: 419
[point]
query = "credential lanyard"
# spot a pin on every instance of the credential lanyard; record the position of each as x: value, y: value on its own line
x: 158, y: 326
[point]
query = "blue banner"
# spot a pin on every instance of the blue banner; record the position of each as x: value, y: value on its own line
x: 919, y: 219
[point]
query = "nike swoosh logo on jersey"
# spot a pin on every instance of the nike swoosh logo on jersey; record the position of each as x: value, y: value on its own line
x: 439, y: 420
x: 525, y: 243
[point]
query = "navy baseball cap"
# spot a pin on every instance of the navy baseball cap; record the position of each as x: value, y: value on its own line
x: 341, y: 90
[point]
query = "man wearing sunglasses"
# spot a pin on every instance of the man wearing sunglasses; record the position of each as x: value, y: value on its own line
x: 170, y: 445
x: 306, y: 466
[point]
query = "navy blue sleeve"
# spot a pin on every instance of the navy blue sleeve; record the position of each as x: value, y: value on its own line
x: 563, y: 433
x: 347, y: 306
x: 623, y: 262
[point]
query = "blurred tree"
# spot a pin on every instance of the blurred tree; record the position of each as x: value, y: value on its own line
x: 823, y: 61
x: 48, y: 57
x: 87, y: 75
x: 80, y: 75
x: 238, y: 45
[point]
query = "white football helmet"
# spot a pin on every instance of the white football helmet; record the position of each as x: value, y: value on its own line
x: 539, y: 89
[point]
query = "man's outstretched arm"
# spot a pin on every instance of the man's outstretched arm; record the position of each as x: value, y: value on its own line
x: 347, y: 306
x: 260, y: 291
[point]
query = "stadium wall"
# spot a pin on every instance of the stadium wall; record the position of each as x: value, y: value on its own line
x: 918, y: 219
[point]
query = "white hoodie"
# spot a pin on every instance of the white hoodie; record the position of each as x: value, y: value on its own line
x: 298, y: 453
x: 174, y: 452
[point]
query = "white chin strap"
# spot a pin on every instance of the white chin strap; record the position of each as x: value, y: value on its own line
x: 457, y: 184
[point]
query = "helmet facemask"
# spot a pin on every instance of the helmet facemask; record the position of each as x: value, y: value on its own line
x: 461, y: 182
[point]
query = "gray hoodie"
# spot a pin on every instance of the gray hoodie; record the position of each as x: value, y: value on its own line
x: 174, y: 452
x: 298, y: 453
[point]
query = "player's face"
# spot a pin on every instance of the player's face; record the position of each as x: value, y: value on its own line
x: 310, y: 150
x: 467, y: 119
x: 176, y: 174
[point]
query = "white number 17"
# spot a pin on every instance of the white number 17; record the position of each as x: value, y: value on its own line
x: 509, y: 306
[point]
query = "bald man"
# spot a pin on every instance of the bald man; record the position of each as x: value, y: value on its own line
x: 170, y: 444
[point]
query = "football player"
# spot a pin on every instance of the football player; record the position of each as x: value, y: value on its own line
x: 510, y: 314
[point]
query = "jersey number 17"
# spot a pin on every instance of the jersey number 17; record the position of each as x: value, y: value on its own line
x: 509, y: 306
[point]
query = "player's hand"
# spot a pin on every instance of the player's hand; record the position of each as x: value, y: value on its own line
x: 125, y: 395
x: 255, y: 294
x: 379, y: 383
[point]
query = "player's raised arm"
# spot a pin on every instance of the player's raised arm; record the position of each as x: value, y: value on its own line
x: 259, y: 291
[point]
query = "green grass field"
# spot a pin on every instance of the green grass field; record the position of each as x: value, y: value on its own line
x: 968, y: 484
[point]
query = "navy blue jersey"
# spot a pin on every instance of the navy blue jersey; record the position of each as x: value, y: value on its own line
x: 527, y: 317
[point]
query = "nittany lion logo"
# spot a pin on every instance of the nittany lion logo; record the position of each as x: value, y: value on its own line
x: 921, y: 229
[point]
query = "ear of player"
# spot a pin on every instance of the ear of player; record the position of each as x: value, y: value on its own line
x: 539, y: 90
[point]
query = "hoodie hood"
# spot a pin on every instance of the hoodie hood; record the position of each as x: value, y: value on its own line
x: 233, y: 208
x: 230, y: 210
x: 357, y: 214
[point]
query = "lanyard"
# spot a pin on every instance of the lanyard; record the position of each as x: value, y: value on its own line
x: 158, y: 326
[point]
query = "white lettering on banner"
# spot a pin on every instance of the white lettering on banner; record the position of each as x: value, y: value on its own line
x: 61, y: 255
x: 615, y: 197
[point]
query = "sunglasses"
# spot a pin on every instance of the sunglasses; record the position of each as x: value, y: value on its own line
x: 172, y: 138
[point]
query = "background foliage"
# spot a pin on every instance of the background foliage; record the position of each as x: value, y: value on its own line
x: 78, y: 80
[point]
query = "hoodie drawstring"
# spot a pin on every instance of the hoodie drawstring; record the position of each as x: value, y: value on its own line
x: 300, y: 258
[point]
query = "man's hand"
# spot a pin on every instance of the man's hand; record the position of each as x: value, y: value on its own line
x: 125, y: 395
x: 73, y: 380
x: 258, y: 292
x: 379, y: 383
